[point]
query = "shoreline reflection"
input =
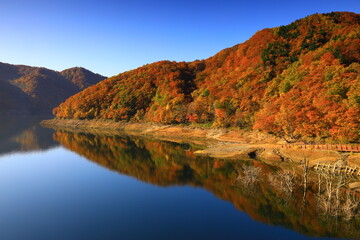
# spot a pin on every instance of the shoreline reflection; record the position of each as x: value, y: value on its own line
x: 169, y: 164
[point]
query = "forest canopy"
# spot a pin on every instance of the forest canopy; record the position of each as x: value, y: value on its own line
x: 296, y: 81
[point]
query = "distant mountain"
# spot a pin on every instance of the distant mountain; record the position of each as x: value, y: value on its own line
x: 13, y: 99
x: 81, y: 77
x: 301, y: 80
x: 25, y: 89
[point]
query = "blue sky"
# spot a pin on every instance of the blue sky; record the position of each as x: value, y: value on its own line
x: 110, y: 37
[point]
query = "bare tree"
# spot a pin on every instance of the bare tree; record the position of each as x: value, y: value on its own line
x: 287, y: 181
x: 248, y: 175
x: 334, y: 199
x: 305, y: 167
x: 283, y: 180
x: 349, y: 206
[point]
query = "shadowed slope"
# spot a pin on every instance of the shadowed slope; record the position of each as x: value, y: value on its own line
x: 27, y: 89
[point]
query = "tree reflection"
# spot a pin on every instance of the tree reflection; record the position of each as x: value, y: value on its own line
x: 264, y: 192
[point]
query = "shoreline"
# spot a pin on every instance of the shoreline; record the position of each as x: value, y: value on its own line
x: 219, y: 142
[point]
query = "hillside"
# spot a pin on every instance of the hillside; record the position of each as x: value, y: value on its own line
x: 297, y: 81
x: 25, y: 89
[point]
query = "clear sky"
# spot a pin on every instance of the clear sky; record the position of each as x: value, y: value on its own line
x: 110, y: 37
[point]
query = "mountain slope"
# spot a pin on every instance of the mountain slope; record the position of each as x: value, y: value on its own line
x: 81, y: 77
x: 297, y: 81
x: 14, y: 100
x: 27, y: 89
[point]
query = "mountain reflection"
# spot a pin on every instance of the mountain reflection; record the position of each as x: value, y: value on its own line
x: 23, y: 134
x: 167, y: 163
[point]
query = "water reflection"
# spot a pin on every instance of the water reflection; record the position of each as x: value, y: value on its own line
x: 264, y: 198
x: 23, y: 134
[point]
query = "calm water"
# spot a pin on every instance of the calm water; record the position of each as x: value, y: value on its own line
x: 63, y: 185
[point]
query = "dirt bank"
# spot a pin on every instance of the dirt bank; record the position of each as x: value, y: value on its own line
x: 174, y: 132
x: 219, y: 142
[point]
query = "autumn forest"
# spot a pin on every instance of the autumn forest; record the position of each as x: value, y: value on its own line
x: 258, y: 141
x: 299, y: 81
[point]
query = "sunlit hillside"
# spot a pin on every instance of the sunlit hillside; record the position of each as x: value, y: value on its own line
x: 297, y: 81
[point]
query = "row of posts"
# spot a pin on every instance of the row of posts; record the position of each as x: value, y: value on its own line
x: 338, y: 147
x: 337, y: 169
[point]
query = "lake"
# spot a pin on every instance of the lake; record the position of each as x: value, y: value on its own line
x: 68, y: 185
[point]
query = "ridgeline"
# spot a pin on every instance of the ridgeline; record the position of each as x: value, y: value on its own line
x: 299, y: 81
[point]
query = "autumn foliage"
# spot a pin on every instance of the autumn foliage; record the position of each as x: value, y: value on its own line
x: 296, y: 81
